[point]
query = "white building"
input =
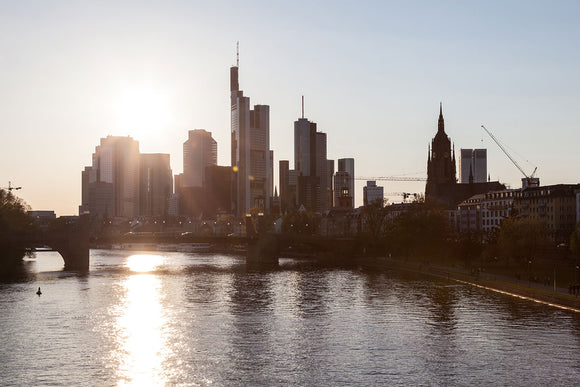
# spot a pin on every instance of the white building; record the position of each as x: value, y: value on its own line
x: 495, y: 207
x: 485, y: 212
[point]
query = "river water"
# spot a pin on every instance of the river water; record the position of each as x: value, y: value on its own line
x: 186, y: 319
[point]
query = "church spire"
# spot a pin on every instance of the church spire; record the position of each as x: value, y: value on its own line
x: 441, y: 126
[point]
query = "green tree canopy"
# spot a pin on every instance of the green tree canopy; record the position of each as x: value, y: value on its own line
x: 15, y: 223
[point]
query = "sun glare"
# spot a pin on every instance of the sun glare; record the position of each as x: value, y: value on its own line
x: 143, y: 263
x: 142, y: 111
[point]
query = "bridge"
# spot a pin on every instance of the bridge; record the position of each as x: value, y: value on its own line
x: 70, y: 240
x: 262, y: 247
x: 268, y: 247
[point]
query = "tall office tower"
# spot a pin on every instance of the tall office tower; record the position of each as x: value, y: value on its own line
x: 310, y: 164
x: 372, y: 193
x: 251, y: 155
x: 330, y: 190
x: 342, y: 193
x: 347, y: 166
x: 472, y: 166
x: 199, y: 152
x: 156, y: 184
x: 284, y: 176
x: 217, y: 187
x: 111, y: 184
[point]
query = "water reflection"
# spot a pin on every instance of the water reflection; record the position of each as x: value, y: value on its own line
x: 141, y: 341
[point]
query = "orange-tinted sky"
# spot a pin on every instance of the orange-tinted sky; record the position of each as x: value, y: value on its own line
x: 373, y: 74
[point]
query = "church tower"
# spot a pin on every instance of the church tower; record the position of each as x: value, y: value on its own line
x: 441, y: 160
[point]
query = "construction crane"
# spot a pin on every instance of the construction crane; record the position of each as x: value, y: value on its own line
x: 527, y: 181
x: 10, y: 187
x: 392, y: 178
x: 405, y: 195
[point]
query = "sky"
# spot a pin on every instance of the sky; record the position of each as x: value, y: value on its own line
x: 372, y: 74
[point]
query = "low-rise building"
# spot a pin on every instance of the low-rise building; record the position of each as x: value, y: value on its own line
x: 556, y: 205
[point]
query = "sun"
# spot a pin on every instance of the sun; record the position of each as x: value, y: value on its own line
x: 142, y: 110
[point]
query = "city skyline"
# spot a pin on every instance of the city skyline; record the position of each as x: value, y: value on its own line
x: 74, y: 73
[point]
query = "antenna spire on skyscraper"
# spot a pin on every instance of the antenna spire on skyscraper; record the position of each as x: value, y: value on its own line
x: 237, y: 54
x: 302, y: 106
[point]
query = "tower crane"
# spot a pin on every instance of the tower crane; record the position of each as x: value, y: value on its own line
x: 392, y: 178
x: 10, y: 187
x: 527, y: 181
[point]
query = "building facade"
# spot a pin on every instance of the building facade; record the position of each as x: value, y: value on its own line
x: 372, y: 193
x: 440, y: 163
x: 472, y: 166
x: 251, y: 157
x: 199, y: 152
x: 555, y: 205
x: 344, y: 182
x: 310, y: 166
x: 495, y: 207
x: 342, y: 190
x: 156, y: 184
x: 110, y: 186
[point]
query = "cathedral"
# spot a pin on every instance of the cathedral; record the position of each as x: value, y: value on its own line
x: 442, y: 183
x: 441, y: 159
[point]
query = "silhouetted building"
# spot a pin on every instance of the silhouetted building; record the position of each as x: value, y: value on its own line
x: 555, y: 205
x: 284, y: 176
x: 330, y: 179
x: 156, y: 184
x: 310, y: 164
x: 441, y: 161
x: 342, y: 194
x: 372, y: 193
x: 199, y: 152
x: 472, y: 166
x: 218, y: 191
x: 441, y: 173
x: 110, y: 187
x: 344, y: 183
x: 251, y: 157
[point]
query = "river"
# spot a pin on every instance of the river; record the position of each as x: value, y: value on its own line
x: 186, y: 319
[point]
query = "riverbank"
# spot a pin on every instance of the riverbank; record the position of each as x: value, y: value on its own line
x: 518, y: 288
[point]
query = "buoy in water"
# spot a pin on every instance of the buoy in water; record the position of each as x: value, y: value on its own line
x: 38, y: 291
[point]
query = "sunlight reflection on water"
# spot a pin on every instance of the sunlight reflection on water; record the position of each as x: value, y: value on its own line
x: 142, y: 347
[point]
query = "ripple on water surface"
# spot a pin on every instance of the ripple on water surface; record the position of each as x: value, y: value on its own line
x: 175, y: 318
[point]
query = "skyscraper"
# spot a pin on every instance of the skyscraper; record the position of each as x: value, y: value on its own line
x: 472, y: 162
x: 156, y: 184
x: 344, y: 182
x: 372, y: 193
x: 111, y: 183
x: 251, y: 156
x: 199, y: 152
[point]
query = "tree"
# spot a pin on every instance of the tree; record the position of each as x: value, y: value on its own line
x: 519, y: 238
x: 423, y: 230
x: 15, y: 224
x: 373, y: 216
